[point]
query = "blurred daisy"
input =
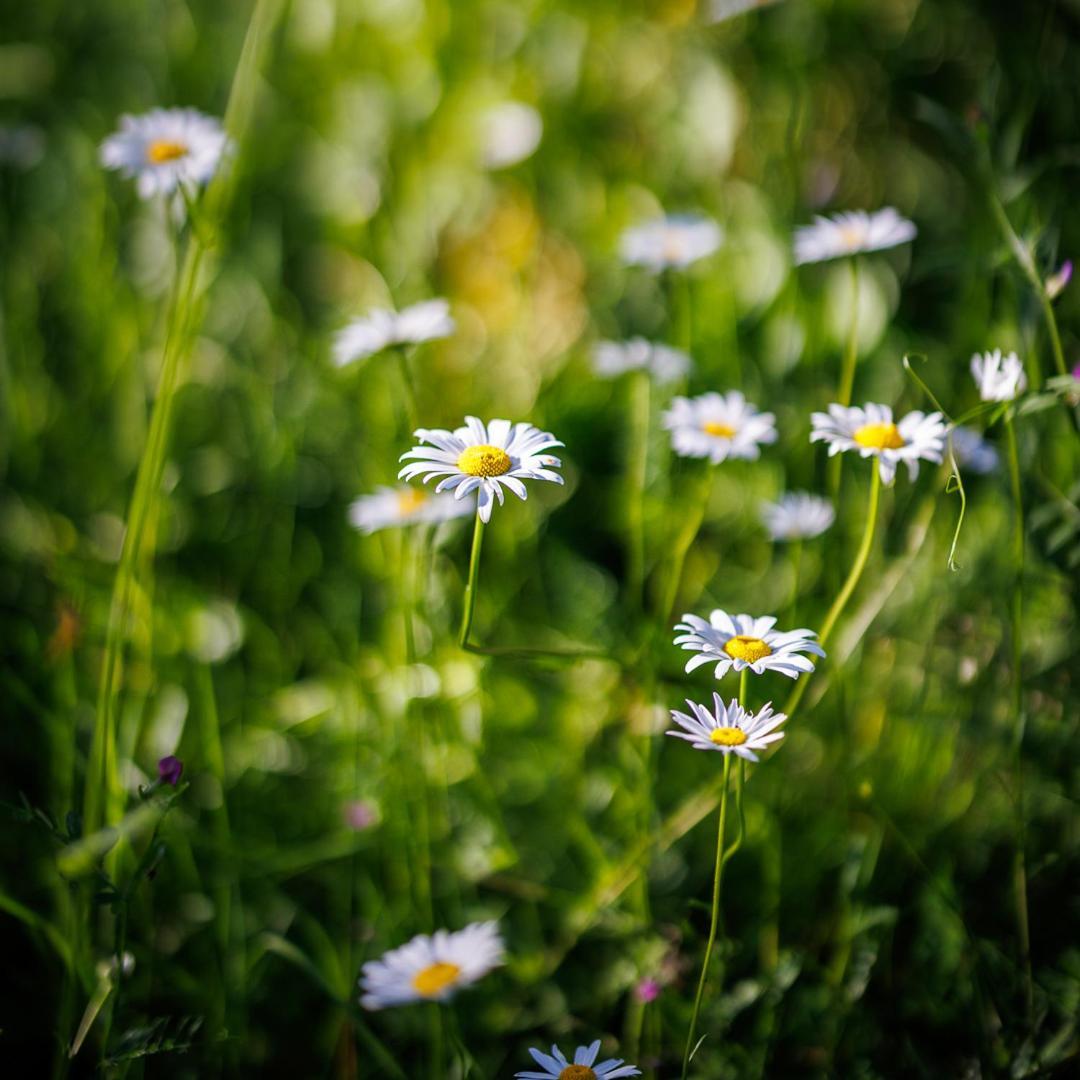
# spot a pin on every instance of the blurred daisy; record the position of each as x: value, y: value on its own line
x: 797, y: 515
x: 583, y: 1067
x: 483, y: 458
x: 730, y: 728
x: 999, y: 378
x: 741, y: 641
x: 403, y: 505
x: 850, y: 233
x: 676, y: 240
x: 872, y: 432
x: 510, y: 132
x: 381, y: 327
x: 722, y: 10
x: 165, y: 148
x: 431, y: 967
x: 718, y: 426
x: 665, y: 364
x: 972, y: 451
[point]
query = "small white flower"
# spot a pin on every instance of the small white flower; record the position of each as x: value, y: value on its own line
x: 431, y: 967
x: 999, y: 378
x: 511, y: 132
x: 556, y: 1067
x: 483, y: 458
x: 972, y: 451
x: 676, y: 240
x: 403, y: 505
x: 797, y: 515
x: 665, y: 364
x: 741, y: 641
x: 872, y: 432
x: 850, y: 233
x: 718, y: 427
x: 730, y: 728
x: 381, y: 327
x: 165, y: 148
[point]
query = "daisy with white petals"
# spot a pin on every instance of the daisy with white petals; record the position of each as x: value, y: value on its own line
x: 850, y: 234
x: 381, y: 327
x: 671, y: 242
x: 583, y: 1067
x: 389, y: 507
x: 165, y: 148
x: 741, y: 641
x: 999, y: 378
x: 797, y: 515
x: 872, y: 432
x: 483, y: 458
x: 729, y: 728
x: 431, y: 967
x: 662, y: 362
x: 718, y: 427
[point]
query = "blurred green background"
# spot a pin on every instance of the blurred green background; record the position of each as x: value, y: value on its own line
x: 869, y: 917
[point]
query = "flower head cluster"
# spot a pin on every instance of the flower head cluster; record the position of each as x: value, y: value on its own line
x: 999, y: 378
x: 729, y: 728
x: 718, y: 427
x: 583, y: 1067
x: 671, y: 242
x: 741, y: 641
x: 381, y: 327
x: 388, y: 507
x: 849, y: 234
x: 797, y: 515
x: 662, y: 362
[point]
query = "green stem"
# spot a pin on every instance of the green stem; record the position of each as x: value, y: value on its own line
x: 691, y: 525
x: 847, y: 375
x: 744, y: 681
x: 471, y: 584
x: 796, y: 568
x: 437, y: 1071
x: 411, y: 409
x: 717, y: 876
x: 637, y: 469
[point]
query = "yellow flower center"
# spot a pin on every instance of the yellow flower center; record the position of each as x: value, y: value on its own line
x: 162, y: 150
x: 674, y: 247
x: 410, y: 500
x: 750, y: 649
x: 577, y: 1072
x: 852, y: 236
x: 484, y: 460
x: 433, y: 979
x: 722, y: 431
x: 879, y: 437
x: 727, y: 736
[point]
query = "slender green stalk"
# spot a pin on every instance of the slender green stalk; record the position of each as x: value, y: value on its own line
x: 471, y: 584
x: 412, y: 412
x: 637, y: 472
x: 437, y: 1071
x: 685, y: 537
x: 796, y: 569
x: 847, y: 375
x: 714, y: 922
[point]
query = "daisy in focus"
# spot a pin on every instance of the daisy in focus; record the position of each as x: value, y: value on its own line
x: 381, y: 327
x: 718, y: 427
x: 999, y: 378
x: 972, y: 451
x: 741, y: 641
x: 729, y: 728
x: 671, y: 242
x: 873, y: 433
x: 431, y: 967
x: 662, y: 362
x: 389, y: 507
x: 165, y: 148
x: 849, y: 234
x: 583, y: 1067
x: 797, y: 515
x: 483, y: 458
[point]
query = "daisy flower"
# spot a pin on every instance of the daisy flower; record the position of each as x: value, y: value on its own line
x: 849, y: 234
x: 483, y: 458
x: 741, y: 641
x: 373, y: 332
x: 797, y: 515
x: 673, y: 241
x: 165, y: 148
x: 662, y: 362
x: 730, y: 728
x: 718, y: 426
x: 872, y: 432
x: 403, y: 505
x: 431, y: 967
x: 510, y: 131
x: 999, y: 378
x: 583, y: 1067
x: 972, y: 451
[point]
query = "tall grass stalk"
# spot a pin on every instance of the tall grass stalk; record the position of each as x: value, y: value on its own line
x: 637, y: 474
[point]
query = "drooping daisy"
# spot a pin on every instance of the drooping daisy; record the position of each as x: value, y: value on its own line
x: 665, y: 364
x: 797, y: 515
x: 373, y: 332
x: 741, y: 641
x: 729, y: 728
x: 483, y: 458
x: 872, y: 432
x: 431, y: 967
x: 583, y: 1067
x: 718, y: 426
x: 673, y: 241
x: 999, y: 378
x: 165, y: 148
x: 972, y: 451
x: 510, y: 132
x: 404, y: 505
x: 849, y: 234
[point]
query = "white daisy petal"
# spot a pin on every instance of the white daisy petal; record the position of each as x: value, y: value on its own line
x: 674, y: 241
x: 851, y: 233
x: 998, y: 378
x: 718, y: 427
